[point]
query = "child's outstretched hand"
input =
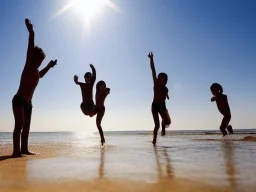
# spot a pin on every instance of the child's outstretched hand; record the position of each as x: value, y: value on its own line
x: 213, y: 99
x: 29, y: 26
x: 52, y: 63
x: 108, y: 90
x: 150, y: 55
x: 75, y: 78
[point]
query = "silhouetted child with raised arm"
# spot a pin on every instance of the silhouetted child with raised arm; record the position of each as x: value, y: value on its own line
x: 223, y: 106
x: 21, y: 103
x: 101, y: 93
x: 87, y: 106
x: 160, y: 95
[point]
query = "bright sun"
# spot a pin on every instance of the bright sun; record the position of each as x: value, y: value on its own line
x: 87, y: 9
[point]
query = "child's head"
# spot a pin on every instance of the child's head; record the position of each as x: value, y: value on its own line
x: 216, y: 89
x: 88, y: 77
x: 162, y: 78
x: 101, y: 85
x: 38, y: 56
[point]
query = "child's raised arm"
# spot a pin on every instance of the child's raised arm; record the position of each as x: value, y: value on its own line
x: 152, y: 65
x: 51, y: 64
x: 93, y: 74
x: 31, y: 43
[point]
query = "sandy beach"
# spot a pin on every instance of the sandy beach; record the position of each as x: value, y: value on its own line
x: 14, y: 178
x: 83, y: 165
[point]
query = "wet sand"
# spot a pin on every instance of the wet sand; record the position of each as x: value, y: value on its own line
x: 72, y: 166
x: 14, y: 177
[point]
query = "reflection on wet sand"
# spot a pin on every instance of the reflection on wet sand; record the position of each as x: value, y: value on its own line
x: 102, y: 159
x: 66, y: 168
x: 228, y: 151
x: 169, y: 168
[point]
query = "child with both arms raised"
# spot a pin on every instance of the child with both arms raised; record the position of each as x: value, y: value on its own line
x: 22, y: 100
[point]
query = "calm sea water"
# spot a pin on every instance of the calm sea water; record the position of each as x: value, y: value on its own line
x: 56, y: 137
x: 195, y: 155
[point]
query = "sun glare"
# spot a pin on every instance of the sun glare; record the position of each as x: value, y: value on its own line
x: 87, y: 9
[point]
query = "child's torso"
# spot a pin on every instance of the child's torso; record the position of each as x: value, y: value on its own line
x: 160, y: 93
x: 100, y: 98
x: 28, y: 83
x: 222, y: 104
x: 87, y: 89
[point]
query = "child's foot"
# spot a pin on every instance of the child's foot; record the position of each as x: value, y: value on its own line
x: 26, y: 152
x: 230, y: 129
x: 154, y: 138
x: 224, y: 132
x: 102, y: 140
x: 16, y: 155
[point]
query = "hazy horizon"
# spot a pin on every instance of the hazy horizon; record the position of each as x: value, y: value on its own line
x: 253, y: 130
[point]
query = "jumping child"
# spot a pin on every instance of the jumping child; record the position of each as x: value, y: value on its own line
x: 22, y: 101
x: 223, y: 106
x: 87, y: 106
x: 101, y: 93
x: 160, y: 95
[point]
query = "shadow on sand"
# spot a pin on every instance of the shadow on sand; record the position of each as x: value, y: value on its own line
x: 5, y: 157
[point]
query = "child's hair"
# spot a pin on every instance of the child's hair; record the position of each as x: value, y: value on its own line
x: 87, y: 74
x: 99, y: 84
x: 38, y: 52
x: 217, y: 87
x: 164, y: 75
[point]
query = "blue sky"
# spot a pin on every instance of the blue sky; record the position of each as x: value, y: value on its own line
x: 196, y: 42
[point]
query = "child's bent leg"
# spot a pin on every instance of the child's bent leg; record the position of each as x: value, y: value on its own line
x: 166, y: 120
x: 156, y: 121
x: 25, y: 131
x: 88, y: 110
x: 18, y: 116
x: 98, y: 123
x: 224, y: 124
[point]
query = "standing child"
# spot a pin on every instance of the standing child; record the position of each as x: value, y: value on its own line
x: 160, y: 95
x: 22, y: 101
x: 87, y: 106
x: 101, y: 93
x: 223, y: 106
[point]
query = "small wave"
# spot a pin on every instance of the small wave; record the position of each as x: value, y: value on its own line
x: 246, y: 138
